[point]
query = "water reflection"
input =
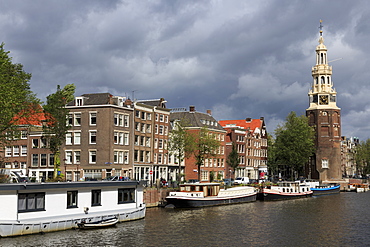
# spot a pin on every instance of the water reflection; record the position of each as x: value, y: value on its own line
x: 335, y: 220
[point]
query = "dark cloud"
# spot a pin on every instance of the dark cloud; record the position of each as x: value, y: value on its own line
x: 238, y: 58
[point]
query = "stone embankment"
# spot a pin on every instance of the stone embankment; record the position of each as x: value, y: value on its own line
x: 155, y: 197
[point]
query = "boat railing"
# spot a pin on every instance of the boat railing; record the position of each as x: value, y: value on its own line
x: 187, y: 194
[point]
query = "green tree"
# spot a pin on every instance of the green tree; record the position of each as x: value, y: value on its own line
x: 294, y: 144
x: 233, y: 158
x: 180, y: 143
x: 56, y: 127
x: 272, y: 161
x: 17, y: 101
x: 362, y: 157
x: 206, y: 146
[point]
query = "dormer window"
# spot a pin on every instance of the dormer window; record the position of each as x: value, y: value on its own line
x: 79, y: 101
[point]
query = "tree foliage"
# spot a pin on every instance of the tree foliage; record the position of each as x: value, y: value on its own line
x: 233, y: 158
x: 17, y: 101
x: 206, y: 146
x: 362, y: 157
x: 294, y: 143
x: 180, y: 143
x: 55, y: 127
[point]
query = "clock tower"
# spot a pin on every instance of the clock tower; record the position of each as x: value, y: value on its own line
x: 324, y: 115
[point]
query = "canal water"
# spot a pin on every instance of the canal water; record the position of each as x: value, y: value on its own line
x: 333, y: 220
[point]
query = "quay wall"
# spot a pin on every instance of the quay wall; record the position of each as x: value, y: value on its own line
x: 155, y: 197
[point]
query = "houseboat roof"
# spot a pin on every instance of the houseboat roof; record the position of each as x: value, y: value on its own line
x: 65, y: 185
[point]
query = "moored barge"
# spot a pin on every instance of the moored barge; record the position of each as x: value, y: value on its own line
x: 210, y: 194
x: 29, y: 208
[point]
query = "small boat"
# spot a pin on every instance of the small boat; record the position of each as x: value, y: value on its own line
x: 98, y: 224
x: 209, y: 194
x: 284, y: 191
x: 322, y: 189
x: 325, y: 189
x: 357, y: 187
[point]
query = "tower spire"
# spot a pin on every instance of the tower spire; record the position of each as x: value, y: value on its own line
x: 321, y: 26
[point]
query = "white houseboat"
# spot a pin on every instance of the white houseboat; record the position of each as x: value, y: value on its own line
x: 209, y: 194
x: 28, y: 208
x: 284, y: 191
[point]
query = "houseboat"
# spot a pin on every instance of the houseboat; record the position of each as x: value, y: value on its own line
x: 28, y: 208
x: 322, y: 188
x: 284, y: 191
x: 209, y: 194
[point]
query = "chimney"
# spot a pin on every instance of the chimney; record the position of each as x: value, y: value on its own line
x: 248, y: 119
x: 262, y: 118
x: 209, y: 112
x: 192, y: 108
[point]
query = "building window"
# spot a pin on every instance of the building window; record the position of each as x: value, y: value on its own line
x: 35, y: 160
x: 43, y: 160
x: 115, y: 119
x: 72, y: 199
x: 70, y: 120
x: 77, y: 119
x: 68, y: 157
x: 120, y: 120
x: 92, y: 137
x: 120, y: 157
x: 115, y: 157
x: 137, y: 114
x: 31, y: 202
x: 35, y: 143
x: 149, y: 116
x: 125, y: 157
x: 126, y: 137
x: 120, y: 138
x: 51, y: 159
x: 325, y: 163
x: 92, y: 118
x: 77, y: 157
x: 77, y: 138
x: 115, y: 138
x: 161, y: 118
x: 92, y: 157
x: 23, y: 134
x: 126, y: 120
x: 69, y: 138
x: 204, y: 175
x: 126, y: 195
x: 143, y: 115
x: 161, y: 129
x: 96, y: 198
x: 8, y: 151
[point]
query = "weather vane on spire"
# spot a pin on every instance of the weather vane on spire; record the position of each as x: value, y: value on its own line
x: 321, y: 26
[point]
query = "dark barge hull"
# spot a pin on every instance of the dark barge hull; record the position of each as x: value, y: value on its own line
x: 180, y: 202
x: 325, y: 191
x: 277, y: 197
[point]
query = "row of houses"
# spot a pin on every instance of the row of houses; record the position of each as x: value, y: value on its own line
x: 114, y: 136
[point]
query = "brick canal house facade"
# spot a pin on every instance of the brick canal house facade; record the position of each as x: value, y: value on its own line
x: 250, y: 137
x: 27, y: 154
x: 213, y: 168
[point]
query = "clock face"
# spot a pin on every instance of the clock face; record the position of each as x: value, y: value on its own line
x: 324, y: 99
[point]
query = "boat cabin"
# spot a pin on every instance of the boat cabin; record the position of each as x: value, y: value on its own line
x: 204, y: 189
x: 291, y: 187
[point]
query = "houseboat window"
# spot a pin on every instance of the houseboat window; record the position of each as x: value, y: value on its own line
x: 72, y: 199
x: 126, y: 195
x: 31, y: 202
x: 96, y: 198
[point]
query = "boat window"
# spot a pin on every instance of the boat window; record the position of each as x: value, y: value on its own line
x: 126, y: 195
x: 96, y: 198
x: 283, y: 189
x: 72, y: 199
x: 31, y: 202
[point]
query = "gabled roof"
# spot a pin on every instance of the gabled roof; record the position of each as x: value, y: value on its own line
x: 154, y: 102
x: 34, y: 117
x: 196, y: 119
x: 94, y: 99
x: 247, y: 124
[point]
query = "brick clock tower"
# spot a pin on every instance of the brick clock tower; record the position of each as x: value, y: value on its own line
x: 324, y: 115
